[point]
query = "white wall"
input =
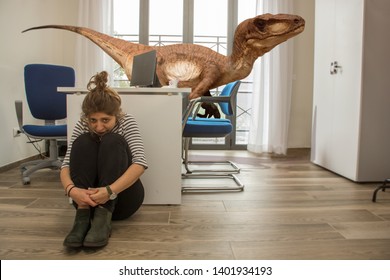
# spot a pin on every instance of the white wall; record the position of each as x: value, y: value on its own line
x: 57, y: 47
x: 18, y: 49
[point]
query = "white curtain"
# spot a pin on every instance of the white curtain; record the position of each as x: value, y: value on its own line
x: 272, y: 90
x: 90, y: 59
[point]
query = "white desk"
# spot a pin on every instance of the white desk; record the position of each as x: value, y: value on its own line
x: 158, y: 112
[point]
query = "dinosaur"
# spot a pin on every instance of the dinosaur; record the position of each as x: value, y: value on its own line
x: 195, y: 66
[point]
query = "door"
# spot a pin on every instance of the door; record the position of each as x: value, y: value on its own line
x: 337, y: 84
x: 323, y: 99
x: 347, y: 83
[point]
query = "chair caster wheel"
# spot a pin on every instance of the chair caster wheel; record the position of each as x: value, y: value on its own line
x: 26, y: 180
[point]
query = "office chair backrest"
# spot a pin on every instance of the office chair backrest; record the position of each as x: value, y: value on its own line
x: 231, y: 89
x: 41, y: 82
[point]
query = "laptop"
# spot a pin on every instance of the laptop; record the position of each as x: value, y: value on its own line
x: 144, y: 70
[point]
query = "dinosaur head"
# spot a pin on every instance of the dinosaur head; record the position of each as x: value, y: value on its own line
x: 262, y: 33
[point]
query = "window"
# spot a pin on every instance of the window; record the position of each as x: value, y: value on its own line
x: 165, y: 27
x: 210, y: 24
x: 126, y: 27
x: 246, y: 9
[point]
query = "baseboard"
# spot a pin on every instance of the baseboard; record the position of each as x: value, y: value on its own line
x: 17, y: 163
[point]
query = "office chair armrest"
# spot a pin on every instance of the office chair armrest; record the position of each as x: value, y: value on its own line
x: 196, y: 111
x: 209, y: 99
x: 19, y: 113
x: 190, y: 108
x: 214, y: 99
x: 189, y: 111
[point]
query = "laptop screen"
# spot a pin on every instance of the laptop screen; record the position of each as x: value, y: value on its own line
x: 144, y: 70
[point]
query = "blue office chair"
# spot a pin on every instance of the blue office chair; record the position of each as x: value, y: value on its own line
x: 45, y: 103
x: 194, y: 126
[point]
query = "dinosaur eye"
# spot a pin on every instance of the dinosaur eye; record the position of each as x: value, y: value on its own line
x: 261, y: 24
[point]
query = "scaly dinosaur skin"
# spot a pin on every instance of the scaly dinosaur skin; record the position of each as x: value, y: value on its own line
x: 196, y: 66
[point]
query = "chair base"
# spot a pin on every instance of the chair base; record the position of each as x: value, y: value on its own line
x: 229, y: 173
x: 209, y: 173
x: 382, y: 187
x: 239, y: 185
x: 52, y: 162
x: 234, y: 170
x: 37, y: 165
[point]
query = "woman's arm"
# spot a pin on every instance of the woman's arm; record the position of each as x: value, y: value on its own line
x: 79, y: 195
x: 131, y: 175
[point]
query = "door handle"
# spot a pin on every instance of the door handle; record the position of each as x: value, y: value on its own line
x: 335, y: 68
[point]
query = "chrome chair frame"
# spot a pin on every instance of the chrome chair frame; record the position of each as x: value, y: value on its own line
x: 382, y: 187
x: 191, y: 173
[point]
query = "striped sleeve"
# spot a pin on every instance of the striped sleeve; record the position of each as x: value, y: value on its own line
x: 131, y: 133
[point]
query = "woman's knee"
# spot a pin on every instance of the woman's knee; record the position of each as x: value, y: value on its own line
x: 129, y: 201
x: 83, y: 143
x: 83, y: 157
x: 113, y: 140
x: 114, y: 147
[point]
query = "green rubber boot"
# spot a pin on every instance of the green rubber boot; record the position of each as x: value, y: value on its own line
x: 100, y: 230
x: 80, y: 228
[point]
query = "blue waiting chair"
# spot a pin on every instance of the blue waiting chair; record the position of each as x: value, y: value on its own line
x: 193, y: 126
x: 45, y: 103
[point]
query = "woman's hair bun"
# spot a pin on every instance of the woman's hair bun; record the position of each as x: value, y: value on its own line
x: 98, y: 82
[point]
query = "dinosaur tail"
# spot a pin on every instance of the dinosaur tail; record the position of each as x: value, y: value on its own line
x: 118, y: 49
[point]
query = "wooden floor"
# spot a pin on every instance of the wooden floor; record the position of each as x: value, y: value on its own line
x: 290, y: 209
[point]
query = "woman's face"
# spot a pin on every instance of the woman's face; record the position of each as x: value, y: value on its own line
x: 101, y: 123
